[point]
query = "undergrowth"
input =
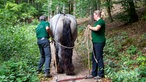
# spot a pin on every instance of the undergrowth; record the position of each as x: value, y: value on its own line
x: 19, y: 54
x: 124, y: 54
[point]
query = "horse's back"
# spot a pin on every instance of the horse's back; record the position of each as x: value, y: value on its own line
x: 73, y: 25
x: 57, y: 22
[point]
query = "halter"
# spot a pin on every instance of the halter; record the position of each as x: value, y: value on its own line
x: 59, y: 42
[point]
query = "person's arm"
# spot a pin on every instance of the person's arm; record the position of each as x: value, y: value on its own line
x: 49, y: 31
x: 94, y: 28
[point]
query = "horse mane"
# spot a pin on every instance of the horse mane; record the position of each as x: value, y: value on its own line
x: 67, y: 38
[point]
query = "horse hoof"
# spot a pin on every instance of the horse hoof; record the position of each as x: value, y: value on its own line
x: 60, y: 71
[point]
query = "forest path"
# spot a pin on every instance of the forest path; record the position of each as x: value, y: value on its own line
x: 80, y: 71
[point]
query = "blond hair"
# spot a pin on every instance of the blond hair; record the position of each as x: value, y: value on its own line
x: 97, y: 12
x: 100, y: 13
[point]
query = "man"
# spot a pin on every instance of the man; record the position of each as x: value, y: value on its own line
x: 42, y: 34
x: 98, y: 40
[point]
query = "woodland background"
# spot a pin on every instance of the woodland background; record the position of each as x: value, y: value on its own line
x: 124, y: 53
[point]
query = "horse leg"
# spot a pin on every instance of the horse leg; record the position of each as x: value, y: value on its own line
x: 60, y: 69
x: 70, y: 67
x: 59, y: 62
x: 67, y: 61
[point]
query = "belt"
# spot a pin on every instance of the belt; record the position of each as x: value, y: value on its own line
x: 42, y: 38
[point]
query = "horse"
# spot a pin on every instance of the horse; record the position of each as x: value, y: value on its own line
x: 64, y: 31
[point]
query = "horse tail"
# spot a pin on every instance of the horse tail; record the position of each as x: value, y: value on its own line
x: 67, y: 38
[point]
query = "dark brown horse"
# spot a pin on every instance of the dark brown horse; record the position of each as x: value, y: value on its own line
x: 64, y: 29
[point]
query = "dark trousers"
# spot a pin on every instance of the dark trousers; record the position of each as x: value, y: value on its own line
x: 98, y: 67
x: 44, y: 47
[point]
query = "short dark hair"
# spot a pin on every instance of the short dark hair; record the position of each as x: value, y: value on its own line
x: 42, y: 18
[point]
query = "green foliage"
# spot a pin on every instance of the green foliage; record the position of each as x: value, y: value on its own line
x: 142, y: 61
x: 114, y: 44
x: 144, y: 16
x: 83, y: 8
x: 126, y: 76
x: 122, y: 17
x: 13, y: 13
x: 110, y: 49
x: 142, y: 71
x: 108, y: 3
x: 128, y: 13
x: 17, y: 72
x: 12, y: 40
x: 123, y: 60
x: 132, y: 50
x: 19, y: 53
x: 81, y: 28
x: 59, y: 3
x: 35, y: 22
x: 126, y: 8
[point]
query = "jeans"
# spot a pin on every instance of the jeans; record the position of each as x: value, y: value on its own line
x: 98, y: 67
x: 44, y: 47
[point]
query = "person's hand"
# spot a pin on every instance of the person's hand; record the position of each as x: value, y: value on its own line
x: 89, y: 26
x: 51, y: 40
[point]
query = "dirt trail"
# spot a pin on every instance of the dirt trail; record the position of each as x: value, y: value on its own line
x: 80, y: 71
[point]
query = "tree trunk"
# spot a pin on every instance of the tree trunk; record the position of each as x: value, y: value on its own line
x: 94, y: 5
x: 17, y: 1
x: 63, y: 9
x: 70, y: 4
x: 132, y: 12
x: 50, y: 12
x: 74, y: 7
x: 144, y: 2
x: 98, y: 4
x: 109, y: 10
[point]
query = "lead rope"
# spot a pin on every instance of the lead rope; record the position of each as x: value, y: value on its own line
x: 65, y: 46
x: 87, y: 43
x: 54, y: 59
x: 87, y: 39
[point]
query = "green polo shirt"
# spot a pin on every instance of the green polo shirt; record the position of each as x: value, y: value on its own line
x: 99, y: 36
x: 41, y: 30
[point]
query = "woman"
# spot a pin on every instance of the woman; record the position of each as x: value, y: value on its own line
x: 98, y: 40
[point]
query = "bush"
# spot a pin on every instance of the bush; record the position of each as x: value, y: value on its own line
x: 13, y: 13
x: 19, y: 53
x: 12, y: 40
x: 110, y: 48
x: 17, y: 72
x: 126, y: 76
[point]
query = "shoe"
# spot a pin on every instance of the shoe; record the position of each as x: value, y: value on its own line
x: 47, y: 75
x: 98, y: 77
x: 39, y: 71
x: 89, y: 77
